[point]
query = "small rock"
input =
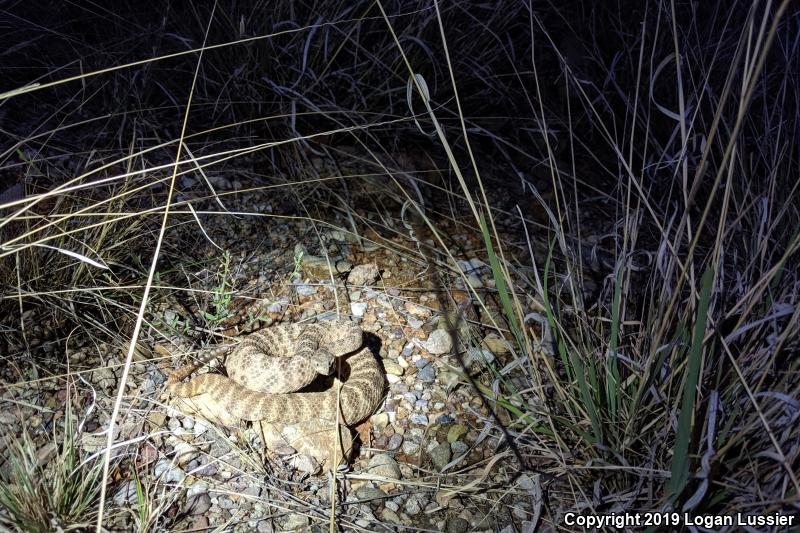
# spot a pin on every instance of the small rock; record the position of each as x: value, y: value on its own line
x: 369, y: 492
x: 459, y: 448
x: 305, y: 463
x: 477, y: 264
x: 387, y: 515
x: 456, y: 524
x: 7, y: 418
x: 383, y: 300
x: 264, y: 524
x: 224, y: 502
x: 394, y: 442
x: 343, y: 266
x: 392, y: 379
x: 206, y: 470
x: 412, y: 505
x: 440, y: 456
x: 104, y: 377
x: 410, y: 397
x: 379, y: 421
x: 384, y: 465
x: 419, y: 418
x: 415, y: 323
x: 455, y: 433
x: 284, y: 450
x: 174, y: 425
x: 200, y: 524
x: 444, y: 419
x: 358, y: 309
x: 439, y: 342
x: 184, y: 452
x: 426, y: 374
x: 166, y: 472
x: 410, y: 447
x: 418, y: 310
x: 363, y: 274
x: 402, y: 361
x: 156, y: 419
x: 474, y: 281
x: 306, y: 290
x: 198, y: 504
x: 199, y: 428
x: 126, y: 494
x: 197, y: 488
x: 149, y: 386
x: 415, y: 504
x: 253, y: 490
x: 294, y: 522
x: 392, y: 368
x: 466, y: 265
x: 389, y: 504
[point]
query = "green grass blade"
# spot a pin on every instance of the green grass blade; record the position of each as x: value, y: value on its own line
x: 612, y: 370
x: 500, y: 283
x: 680, y: 455
x: 573, y: 365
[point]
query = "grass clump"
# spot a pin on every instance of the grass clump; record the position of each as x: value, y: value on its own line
x: 40, y: 494
x: 670, y: 353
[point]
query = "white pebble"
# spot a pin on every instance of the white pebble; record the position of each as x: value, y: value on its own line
x: 439, y: 342
x: 358, y: 309
x: 199, y: 428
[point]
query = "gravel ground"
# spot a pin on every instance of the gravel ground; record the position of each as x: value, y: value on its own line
x: 431, y: 458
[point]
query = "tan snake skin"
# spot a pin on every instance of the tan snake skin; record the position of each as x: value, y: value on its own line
x: 298, y: 352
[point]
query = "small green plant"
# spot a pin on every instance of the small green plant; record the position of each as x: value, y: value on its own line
x: 298, y: 261
x: 149, y: 509
x: 141, y: 504
x: 56, y: 496
x: 253, y: 317
x: 221, y: 296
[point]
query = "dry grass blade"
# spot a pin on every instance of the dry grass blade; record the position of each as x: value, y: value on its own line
x: 143, y: 306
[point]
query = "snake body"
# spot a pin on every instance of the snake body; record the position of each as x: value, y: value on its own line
x: 296, y: 348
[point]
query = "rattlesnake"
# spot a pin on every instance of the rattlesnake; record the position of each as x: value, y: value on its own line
x: 261, y: 388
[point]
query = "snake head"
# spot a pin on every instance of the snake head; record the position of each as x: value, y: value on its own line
x: 341, y: 337
x: 323, y: 362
